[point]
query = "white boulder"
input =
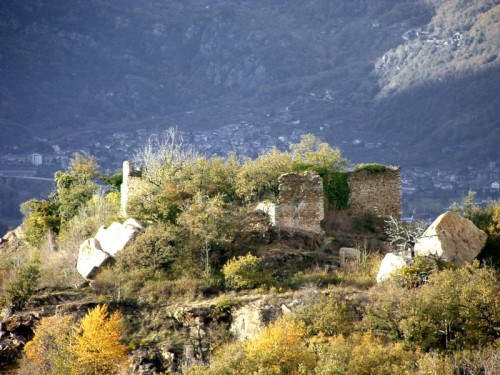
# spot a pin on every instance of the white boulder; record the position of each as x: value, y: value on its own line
x: 106, y: 244
x: 451, y: 238
x: 389, y: 265
x: 90, y: 258
x: 115, y: 237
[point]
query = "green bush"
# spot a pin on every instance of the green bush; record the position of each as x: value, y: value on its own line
x: 329, y: 315
x: 370, y: 167
x: 414, y: 274
x: 245, y: 272
x: 24, y: 283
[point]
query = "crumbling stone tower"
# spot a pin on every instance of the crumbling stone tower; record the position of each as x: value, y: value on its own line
x: 131, y: 185
x: 301, y: 202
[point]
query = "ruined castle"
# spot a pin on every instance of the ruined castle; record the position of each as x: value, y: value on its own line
x: 301, y: 204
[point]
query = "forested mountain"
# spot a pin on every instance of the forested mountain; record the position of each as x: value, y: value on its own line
x: 420, y: 77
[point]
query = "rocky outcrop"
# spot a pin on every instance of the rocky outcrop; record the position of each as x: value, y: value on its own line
x: 251, y: 318
x: 451, y: 238
x: 11, y: 239
x: 96, y: 252
x: 389, y: 265
x: 16, y: 329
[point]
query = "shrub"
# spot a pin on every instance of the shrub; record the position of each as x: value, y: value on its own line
x: 414, y: 274
x: 24, y: 282
x: 336, y: 187
x: 153, y: 250
x: 280, y: 349
x: 245, y: 272
x: 370, y: 167
x: 48, y: 352
x: 455, y: 309
x: 330, y: 315
x: 363, y: 355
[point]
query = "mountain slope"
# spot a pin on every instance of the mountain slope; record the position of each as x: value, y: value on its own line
x: 355, y: 66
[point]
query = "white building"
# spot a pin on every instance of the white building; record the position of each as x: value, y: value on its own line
x: 35, y: 159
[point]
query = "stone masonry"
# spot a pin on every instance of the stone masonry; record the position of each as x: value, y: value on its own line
x: 132, y: 181
x: 301, y: 202
x: 376, y: 192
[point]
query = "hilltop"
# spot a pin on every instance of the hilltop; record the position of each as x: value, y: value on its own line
x: 200, y: 265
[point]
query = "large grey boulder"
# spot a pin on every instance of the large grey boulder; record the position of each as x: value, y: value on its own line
x: 95, y: 252
x: 389, y: 265
x: 90, y: 258
x: 451, y: 238
x: 115, y: 237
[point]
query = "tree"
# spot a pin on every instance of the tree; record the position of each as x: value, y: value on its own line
x: 24, y: 282
x: 75, y: 186
x: 258, y: 178
x: 96, y: 343
x: 310, y: 152
x: 40, y: 217
x: 164, y: 157
x: 48, y: 353
x: 212, y: 176
x: 403, y: 234
x: 280, y: 348
x: 209, y: 224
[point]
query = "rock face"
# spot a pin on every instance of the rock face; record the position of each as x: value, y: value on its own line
x: 451, y: 238
x: 15, y: 331
x: 389, y: 265
x: 10, y: 240
x: 250, y: 319
x: 96, y: 252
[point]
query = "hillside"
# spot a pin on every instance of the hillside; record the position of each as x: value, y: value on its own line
x: 375, y: 71
x: 285, y: 263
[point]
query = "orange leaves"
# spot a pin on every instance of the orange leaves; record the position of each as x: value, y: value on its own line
x: 93, y: 346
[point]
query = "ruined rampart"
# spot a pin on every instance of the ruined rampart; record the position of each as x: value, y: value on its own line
x: 301, y: 203
x: 376, y: 192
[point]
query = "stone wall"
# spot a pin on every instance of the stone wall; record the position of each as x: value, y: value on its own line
x: 301, y: 202
x: 131, y: 185
x: 375, y: 192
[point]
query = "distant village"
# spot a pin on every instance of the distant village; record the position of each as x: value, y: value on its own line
x: 425, y: 190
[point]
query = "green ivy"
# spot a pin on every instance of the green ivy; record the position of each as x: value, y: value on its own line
x: 370, y: 167
x: 336, y: 188
x: 335, y: 184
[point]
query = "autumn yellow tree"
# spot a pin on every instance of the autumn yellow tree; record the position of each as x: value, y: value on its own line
x: 280, y: 349
x: 96, y: 346
x: 48, y: 352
